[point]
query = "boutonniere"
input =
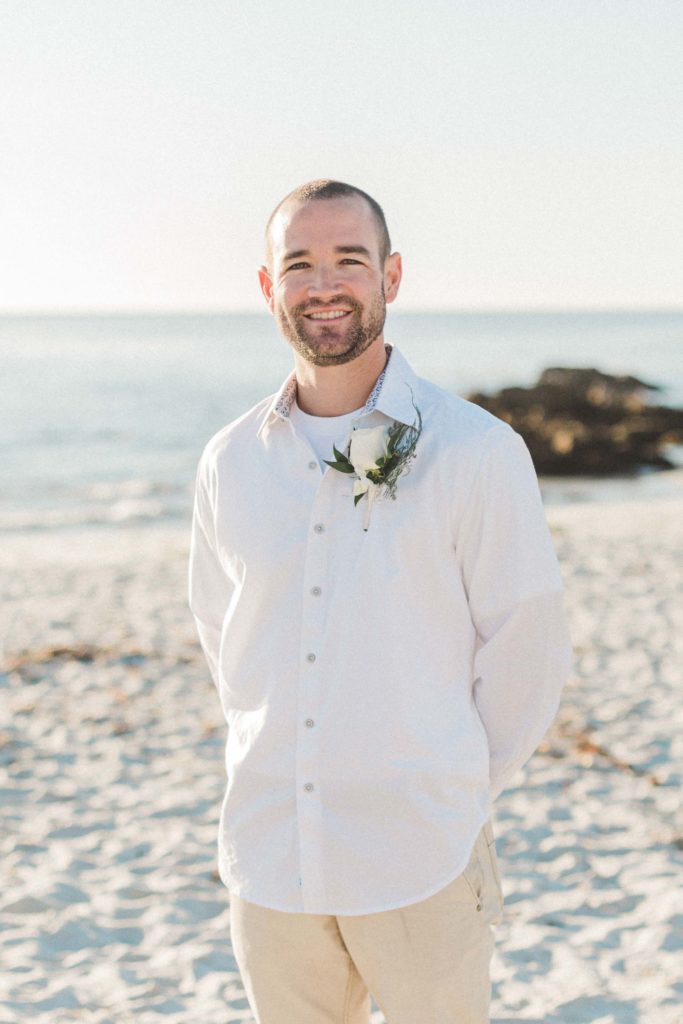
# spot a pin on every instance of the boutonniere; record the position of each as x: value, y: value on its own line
x: 377, y: 456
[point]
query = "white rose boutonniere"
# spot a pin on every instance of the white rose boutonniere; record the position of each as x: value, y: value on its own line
x: 377, y: 456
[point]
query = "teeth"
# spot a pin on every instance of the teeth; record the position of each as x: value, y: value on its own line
x: 334, y: 315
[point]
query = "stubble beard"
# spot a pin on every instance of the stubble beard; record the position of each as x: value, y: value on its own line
x: 312, y: 344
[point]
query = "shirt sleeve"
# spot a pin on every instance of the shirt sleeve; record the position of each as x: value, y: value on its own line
x: 514, y: 586
x: 210, y: 589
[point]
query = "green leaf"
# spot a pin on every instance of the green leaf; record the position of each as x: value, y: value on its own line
x: 357, y: 497
x: 343, y: 467
x: 340, y: 455
x: 396, y: 434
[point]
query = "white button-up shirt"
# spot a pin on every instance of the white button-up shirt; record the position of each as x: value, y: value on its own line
x: 380, y: 687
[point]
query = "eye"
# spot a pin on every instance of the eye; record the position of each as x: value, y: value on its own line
x: 350, y: 259
x: 296, y: 266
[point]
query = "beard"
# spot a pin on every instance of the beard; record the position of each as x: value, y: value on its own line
x: 332, y: 342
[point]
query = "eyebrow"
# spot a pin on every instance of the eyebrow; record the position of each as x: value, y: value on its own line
x: 298, y: 253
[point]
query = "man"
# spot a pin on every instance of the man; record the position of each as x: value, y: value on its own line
x: 379, y: 602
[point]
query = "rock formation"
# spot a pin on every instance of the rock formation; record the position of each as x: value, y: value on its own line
x: 580, y: 421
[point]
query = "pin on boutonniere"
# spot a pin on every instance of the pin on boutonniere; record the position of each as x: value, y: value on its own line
x: 377, y: 456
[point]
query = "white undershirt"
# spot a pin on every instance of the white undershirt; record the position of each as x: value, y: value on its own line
x: 323, y: 432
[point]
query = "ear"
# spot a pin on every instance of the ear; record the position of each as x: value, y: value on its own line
x: 393, y: 272
x: 266, y: 282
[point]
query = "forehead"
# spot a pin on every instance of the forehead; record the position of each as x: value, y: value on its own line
x: 324, y: 223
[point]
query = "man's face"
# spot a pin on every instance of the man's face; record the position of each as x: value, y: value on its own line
x: 327, y: 286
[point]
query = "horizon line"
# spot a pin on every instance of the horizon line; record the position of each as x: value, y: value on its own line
x: 123, y: 311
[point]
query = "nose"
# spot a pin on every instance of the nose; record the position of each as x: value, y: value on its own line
x: 325, y: 280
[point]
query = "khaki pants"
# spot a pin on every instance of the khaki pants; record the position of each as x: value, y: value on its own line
x: 427, y: 963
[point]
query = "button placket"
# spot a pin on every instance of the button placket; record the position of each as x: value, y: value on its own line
x: 308, y: 782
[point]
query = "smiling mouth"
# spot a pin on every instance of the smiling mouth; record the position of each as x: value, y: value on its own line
x: 335, y: 314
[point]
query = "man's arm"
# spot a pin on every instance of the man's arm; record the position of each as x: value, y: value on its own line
x: 210, y: 589
x: 514, y: 589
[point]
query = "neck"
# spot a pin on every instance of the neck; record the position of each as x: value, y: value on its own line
x: 335, y: 390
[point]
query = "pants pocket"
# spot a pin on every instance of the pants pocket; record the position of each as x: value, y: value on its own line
x: 473, y: 875
x: 483, y: 878
x: 495, y: 895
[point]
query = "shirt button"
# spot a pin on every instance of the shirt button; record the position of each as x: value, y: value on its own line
x: 312, y: 464
x: 309, y: 723
x: 310, y: 657
x: 309, y: 787
x: 318, y: 527
x: 316, y: 591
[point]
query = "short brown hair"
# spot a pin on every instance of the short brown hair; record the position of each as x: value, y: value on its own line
x: 326, y: 188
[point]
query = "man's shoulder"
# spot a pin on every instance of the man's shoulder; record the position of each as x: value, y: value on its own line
x: 242, y: 431
x: 471, y: 443
x: 457, y: 420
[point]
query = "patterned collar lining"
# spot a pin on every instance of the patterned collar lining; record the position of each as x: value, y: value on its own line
x: 287, y: 394
x: 286, y: 398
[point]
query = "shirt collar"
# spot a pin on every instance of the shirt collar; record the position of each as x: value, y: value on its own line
x: 392, y: 393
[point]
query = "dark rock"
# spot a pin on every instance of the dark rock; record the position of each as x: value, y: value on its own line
x: 580, y: 421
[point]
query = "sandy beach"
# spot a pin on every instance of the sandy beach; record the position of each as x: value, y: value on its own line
x: 111, y: 779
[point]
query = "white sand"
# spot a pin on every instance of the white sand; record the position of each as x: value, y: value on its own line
x: 112, y: 776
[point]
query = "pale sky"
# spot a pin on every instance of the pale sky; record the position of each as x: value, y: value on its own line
x: 528, y: 153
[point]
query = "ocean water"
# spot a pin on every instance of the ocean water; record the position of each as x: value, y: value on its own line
x: 103, y: 418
